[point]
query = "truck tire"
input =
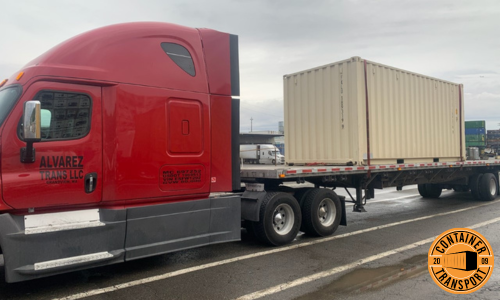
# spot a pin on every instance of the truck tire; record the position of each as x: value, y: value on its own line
x: 488, y: 187
x: 301, y: 195
x: 474, y: 186
x: 422, y: 191
x: 279, y: 219
x: 321, y: 212
x: 430, y: 190
x: 273, y: 161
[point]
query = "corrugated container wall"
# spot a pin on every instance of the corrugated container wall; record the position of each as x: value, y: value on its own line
x: 412, y: 118
x: 475, y: 134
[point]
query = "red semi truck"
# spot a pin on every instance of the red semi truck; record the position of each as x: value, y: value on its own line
x: 122, y: 143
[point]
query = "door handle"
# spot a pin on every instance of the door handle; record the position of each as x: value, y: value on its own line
x: 90, y: 182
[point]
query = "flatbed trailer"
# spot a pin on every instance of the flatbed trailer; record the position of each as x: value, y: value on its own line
x: 480, y: 177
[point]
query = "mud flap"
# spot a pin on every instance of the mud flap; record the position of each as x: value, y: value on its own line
x: 343, y: 219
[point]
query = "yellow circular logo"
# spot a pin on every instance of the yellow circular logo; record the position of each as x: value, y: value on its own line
x: 460, y: 261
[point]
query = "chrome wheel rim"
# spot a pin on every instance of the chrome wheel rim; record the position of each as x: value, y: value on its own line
x: 493, y: 187
x: 283, y: 219
x: 327, y: 212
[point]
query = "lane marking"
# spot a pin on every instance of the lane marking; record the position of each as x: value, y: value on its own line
x: 377, y: 193
x: 285, y: 286
x: 398, y: 198
x: 391, y: 199
x: 254, y: 255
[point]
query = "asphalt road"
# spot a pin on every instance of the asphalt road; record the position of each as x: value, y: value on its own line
x: 381, y: 254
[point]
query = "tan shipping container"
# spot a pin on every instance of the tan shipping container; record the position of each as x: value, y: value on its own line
x: 411, y: 118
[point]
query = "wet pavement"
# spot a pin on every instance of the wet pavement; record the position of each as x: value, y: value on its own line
x: 358, y: 262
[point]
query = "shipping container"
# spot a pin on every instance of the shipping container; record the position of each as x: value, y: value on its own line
x: 475, y: 138
x: 474, y: 144
x: 404, y: 117
x: 475, y: 124
x: 493, y: 134
x: 475, y: 131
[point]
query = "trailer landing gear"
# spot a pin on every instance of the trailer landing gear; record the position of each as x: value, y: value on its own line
x: 359, y: 204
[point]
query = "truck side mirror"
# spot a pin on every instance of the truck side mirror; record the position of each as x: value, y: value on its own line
x: 31, y: 129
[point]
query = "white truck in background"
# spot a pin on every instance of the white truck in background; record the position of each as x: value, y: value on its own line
x: 261, y: 154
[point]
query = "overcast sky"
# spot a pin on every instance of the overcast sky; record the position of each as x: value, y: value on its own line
x: 453, y: 40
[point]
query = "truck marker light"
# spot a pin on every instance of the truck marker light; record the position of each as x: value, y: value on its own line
x: 19, y: 76
x: 3, y: 82
x: 282, y: 175
x: 399, y: 169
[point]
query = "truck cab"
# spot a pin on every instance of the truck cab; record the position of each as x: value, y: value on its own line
x: 113, y: 144
x: 261, y: 154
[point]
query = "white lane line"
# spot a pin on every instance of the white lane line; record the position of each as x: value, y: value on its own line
x: 254, y: 255
x: 391, y: 199
x: 336, y: 270
x: 377, y: 193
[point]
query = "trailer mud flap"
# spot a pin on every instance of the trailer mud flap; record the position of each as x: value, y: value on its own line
x: 343, y: 219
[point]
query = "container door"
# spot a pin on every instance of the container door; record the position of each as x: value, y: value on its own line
x: 68, y: 161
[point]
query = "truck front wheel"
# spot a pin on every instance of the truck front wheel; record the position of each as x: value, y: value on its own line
x: 488, y: 187
x: 279, y: 219
x: 321, y: 212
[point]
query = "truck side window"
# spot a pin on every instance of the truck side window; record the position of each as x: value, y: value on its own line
x: 180, y: 56
x: 64, y: 115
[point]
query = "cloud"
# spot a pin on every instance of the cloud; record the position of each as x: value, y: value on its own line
x: 265, y: 114
x: 451, y: 39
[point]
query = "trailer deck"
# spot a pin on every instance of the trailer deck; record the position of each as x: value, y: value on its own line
x: 432, y: 178
x: 251, y: 172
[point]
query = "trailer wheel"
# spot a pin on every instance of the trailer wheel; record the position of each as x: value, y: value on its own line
x: 301, y: 195
x: 488, y: 187
x: 321, y: 212
x: 280, y: 218
x: 430, y: 190
x: 474, y: 185
x: 423, y: 191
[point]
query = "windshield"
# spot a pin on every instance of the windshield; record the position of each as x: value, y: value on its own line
x: 8, y: 97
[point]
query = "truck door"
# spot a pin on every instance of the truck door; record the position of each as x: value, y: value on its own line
x: 68, y: 160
